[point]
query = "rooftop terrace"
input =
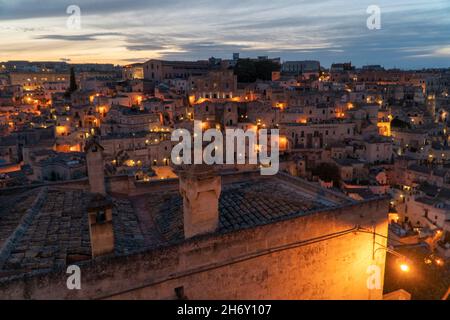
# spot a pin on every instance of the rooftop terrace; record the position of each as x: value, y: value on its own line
x: 46, y: 228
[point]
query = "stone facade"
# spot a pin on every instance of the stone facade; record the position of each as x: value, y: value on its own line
x: 290, y: 259
x: 101, y: 230
x: 200, y: 191
x: 95, y: 165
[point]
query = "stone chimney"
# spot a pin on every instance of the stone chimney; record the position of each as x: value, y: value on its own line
x: 101, y: 230
x: 200, y: 188
x: 95, y: 166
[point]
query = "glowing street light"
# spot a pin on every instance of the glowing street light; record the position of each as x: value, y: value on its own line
x: 434, y: 258
x: 439, y: 262
x: 404, y: 267
x: 403, y: 262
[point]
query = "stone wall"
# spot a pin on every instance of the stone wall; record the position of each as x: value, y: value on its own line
x: 80, y: 184
x: 291, y: 259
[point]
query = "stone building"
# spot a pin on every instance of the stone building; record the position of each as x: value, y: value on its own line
x: 317, y: 135
x: 159, y: 70
x: 133, y: 71
x: 217, y: 84
x: 300, y: 67
x: 146, y: 148
x: 35, y: 80
x: 121, y: 119
x: 208, y: 235
x: 378, y: 150
x: 49, y: 165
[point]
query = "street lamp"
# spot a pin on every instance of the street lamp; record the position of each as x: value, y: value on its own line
x: 433, y: 258
x: 404, y: 263
x: 404, y: 267
x: 439, y: 262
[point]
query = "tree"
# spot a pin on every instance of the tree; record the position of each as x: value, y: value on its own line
x: 328, y: 172
x: 73, y: 83
x: 248, y: 70
x: 397, y: 123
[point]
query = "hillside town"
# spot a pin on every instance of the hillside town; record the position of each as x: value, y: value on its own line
x: 87, y: 178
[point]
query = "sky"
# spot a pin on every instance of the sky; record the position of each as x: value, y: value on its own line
x: 414, y: 34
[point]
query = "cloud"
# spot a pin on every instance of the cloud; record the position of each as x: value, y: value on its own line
x: 328, y: 30
x: 28, y: 9
x: 78, y: 37
x: 442, y: 52
x: 146, y: 47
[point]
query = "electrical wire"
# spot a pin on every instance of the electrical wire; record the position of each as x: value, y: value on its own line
x: 241, y: 259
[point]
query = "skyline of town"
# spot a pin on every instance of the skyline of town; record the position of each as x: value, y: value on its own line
x: 325, y: 67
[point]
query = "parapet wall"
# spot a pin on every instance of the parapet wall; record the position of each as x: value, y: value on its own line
x: 317, y: 256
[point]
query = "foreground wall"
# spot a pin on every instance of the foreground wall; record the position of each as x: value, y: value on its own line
x: 286, y: 260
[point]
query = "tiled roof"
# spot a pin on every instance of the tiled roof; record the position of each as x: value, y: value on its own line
x: 47, y: 228
x: 242, y: 205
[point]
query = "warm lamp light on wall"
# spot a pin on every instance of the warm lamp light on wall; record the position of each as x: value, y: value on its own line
x: 403, y: 262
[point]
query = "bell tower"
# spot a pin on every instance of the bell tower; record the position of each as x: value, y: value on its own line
x: 95, y: 166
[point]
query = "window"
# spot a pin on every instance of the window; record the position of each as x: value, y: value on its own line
x: 100, y: 217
